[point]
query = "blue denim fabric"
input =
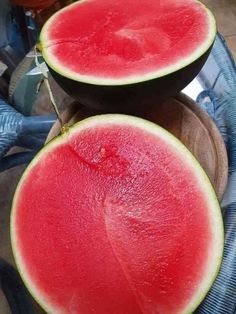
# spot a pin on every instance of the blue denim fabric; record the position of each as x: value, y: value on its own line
x: 222, y: 94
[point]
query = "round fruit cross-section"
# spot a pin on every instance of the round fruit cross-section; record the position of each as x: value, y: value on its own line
x: 124, y: 41
x: 116, y: 216
x: 125, y: 55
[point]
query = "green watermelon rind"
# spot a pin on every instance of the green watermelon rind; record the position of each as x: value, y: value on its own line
x: 55, y: 65
x: 213, y: 268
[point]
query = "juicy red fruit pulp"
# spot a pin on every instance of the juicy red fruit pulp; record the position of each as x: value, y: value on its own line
x: 113, y: 220
x: 121, y: 38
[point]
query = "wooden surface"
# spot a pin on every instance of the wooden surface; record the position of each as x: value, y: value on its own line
x: 184, y: 119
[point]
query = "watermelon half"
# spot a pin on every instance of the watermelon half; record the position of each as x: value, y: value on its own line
x: 116, y: 216
x: 126, y: 54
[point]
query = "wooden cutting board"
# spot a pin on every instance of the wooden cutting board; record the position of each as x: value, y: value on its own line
x: 182, y: 117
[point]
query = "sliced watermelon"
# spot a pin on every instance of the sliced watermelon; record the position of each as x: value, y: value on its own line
x: 124, y: 43
x: 116, y: 216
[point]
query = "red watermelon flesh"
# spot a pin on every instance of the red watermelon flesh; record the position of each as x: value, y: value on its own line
x: 116, y: 217
x: 123, y: 40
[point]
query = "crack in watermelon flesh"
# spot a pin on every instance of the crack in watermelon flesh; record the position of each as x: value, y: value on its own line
x: 124, y: 38
x: 115, y: 218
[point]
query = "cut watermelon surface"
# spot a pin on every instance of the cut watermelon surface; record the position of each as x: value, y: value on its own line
x: 116, y: 216
x: 124, y: 41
